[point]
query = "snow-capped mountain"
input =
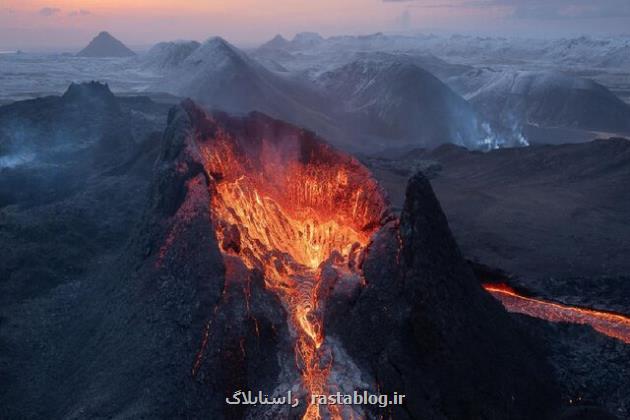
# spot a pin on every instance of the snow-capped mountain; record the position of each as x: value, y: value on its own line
x: 381, y: 91
x: 404, y: 104
x: 606, y: 52
x: 552, y: 99
x: 166, y: 56
x: 589, y: 51
x: 302, y: 40
x: 311, y: 56
x: 379, y: 100
x: 220, y: 76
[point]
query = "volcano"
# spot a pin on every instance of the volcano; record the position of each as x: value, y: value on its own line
x: 311, y: 285
x: 295, y: 213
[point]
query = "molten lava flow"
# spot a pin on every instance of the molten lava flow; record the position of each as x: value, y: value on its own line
x: 610, y: 324
x: 289, y: 205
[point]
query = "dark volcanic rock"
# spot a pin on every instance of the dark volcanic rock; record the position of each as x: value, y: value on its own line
x: 73, y: 177
x: 105, y: 45
x: 152, y: 331
x: 79, y: 117
x: 539, y: 212
x: 50, y: 146
x: 238, y: 329
x: 551, y: 219
x: 65, y: 216
x: 591, y: 368
x: 425, y: 328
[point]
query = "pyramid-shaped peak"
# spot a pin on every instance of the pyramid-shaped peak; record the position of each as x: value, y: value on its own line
x: 278, y: 41
x: 105, y: 45
x: 279, y: 38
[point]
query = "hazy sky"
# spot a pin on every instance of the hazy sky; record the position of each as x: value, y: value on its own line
x: 72, y: 23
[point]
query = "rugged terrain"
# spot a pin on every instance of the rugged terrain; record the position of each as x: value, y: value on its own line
x: 550, y: 221
x: 135, y: 280
x: 505, y: 204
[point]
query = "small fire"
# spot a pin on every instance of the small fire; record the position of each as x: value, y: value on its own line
x: 289, y: 206
x: 610, y: 324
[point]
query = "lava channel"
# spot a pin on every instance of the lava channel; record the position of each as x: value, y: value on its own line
x: 290, y: 205
x: 610, y: 324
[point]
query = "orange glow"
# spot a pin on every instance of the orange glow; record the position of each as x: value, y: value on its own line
x: 242, y: 22
x: 291, y: 8
x: 610, y: 324
x: 120, y: 5
x: 290, y: 208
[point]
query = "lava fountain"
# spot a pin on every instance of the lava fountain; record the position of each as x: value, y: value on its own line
x: 610, y: 324
x: 291, y: 206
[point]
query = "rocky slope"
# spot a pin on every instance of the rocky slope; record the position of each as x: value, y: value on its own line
x: 536, y: 211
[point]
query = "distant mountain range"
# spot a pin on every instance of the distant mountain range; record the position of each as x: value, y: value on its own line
x: 220, y: 76
x: 312, y: 54
x: 105, y: 45
x: 387, y: 92
x: 609, y: 52
x: 376, y: 101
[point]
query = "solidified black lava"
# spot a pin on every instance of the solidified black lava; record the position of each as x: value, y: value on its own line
x: 424, y: 327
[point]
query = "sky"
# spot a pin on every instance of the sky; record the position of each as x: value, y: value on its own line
x: 34, y: 24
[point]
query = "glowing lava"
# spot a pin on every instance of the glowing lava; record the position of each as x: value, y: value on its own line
x: 288, y: 205
x: 610, y: 324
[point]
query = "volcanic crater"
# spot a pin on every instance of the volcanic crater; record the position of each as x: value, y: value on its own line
x: 323, y: 289
x: 302, y: 214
